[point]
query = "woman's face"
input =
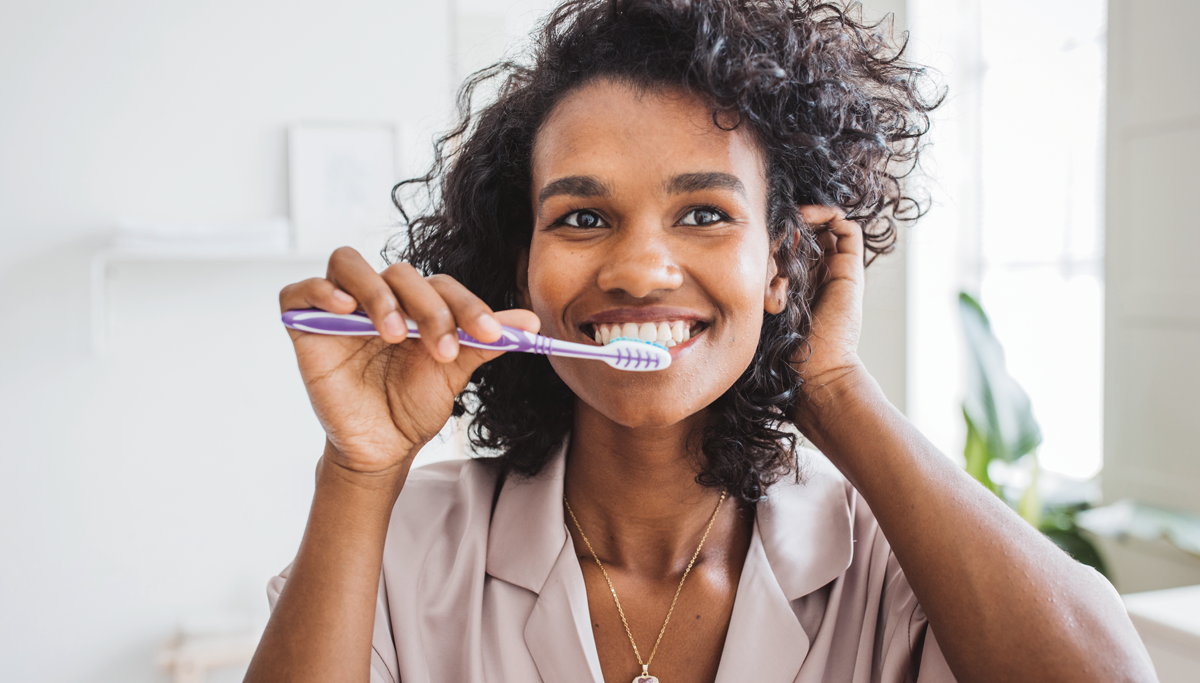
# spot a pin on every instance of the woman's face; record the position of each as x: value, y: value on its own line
x: 646, y: 212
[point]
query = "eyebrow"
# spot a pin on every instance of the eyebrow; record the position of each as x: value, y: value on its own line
x: 590, y: 186
x: 696, y: 182
x: 575, y: 186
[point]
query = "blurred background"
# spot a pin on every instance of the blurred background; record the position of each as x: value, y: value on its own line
x: 166, y: 167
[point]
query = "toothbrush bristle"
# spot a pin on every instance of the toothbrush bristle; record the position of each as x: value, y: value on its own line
x: 640, y: 341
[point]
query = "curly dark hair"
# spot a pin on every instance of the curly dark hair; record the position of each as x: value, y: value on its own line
x: 836, y: 111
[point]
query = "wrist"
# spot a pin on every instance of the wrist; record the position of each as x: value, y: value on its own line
x: 386, y: 482
x: 827, y: 397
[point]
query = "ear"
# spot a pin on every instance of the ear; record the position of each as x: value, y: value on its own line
x: 775, y: 296
x: 523, y: 278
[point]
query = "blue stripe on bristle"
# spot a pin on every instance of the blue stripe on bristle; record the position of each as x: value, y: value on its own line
x: 640, y: 341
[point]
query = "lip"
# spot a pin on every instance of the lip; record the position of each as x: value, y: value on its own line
x: 642, y: 314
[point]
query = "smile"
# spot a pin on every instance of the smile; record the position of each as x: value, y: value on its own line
x: 667, y: 333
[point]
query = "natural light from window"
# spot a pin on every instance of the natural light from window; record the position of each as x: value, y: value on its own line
x: 1041, y: 224
x: 1016, y: 176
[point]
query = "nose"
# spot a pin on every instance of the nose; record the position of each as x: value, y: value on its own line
x: 639, y: 263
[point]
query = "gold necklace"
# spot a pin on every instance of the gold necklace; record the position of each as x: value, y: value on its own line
x: 645, y: 676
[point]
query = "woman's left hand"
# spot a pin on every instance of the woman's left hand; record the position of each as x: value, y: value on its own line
x: 837, y: 305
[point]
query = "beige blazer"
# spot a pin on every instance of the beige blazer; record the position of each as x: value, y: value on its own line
x: 472, y: 596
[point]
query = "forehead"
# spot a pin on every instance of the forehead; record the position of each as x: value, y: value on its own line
x: 627, y: 135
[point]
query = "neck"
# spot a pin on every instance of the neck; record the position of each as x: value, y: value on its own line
x: 635, y: 494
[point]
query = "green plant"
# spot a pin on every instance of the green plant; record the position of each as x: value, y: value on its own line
x: 1001, y: 426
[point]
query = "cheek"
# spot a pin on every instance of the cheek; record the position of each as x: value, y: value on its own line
x: 742, y: 284
x: 554, y: 276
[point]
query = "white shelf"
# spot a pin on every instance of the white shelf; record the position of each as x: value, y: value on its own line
x: 1169, y: 623
x: 104, y: 259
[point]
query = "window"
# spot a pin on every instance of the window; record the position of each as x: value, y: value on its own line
x: 1018, y: 177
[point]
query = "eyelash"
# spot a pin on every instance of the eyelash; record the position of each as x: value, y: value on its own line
x: 722, y: 217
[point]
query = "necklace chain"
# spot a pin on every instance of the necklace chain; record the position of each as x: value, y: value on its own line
x: 646, y: 664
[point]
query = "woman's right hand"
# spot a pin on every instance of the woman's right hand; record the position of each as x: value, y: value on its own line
x: 381, y: 398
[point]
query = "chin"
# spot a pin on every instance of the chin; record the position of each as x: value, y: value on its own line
x: 636, y: 400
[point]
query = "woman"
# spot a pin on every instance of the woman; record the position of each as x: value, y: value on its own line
x: 716, y: 169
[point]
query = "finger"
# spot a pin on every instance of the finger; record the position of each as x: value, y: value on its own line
x: 316, y: 292
x: 848, y: 233
x: 472, y: 358
x: 421, y: 302
x: 827, y: 241
x: 521, y: 319
x: 470, y: 312
x: 818, y: 214
x: 350, y: 272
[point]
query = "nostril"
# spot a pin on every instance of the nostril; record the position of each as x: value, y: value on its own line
x: 640, y: 277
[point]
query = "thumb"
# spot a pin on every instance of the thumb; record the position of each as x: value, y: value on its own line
x: 470, y: 358
x: 521, y: 319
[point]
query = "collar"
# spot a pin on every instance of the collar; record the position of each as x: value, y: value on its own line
x: 528, y: 530
x: 805, y: 528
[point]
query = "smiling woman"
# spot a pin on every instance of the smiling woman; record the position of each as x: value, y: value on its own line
x: 822, y: 111
x: 711, y: 175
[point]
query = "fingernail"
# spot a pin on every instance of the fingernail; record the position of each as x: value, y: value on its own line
x: 447, y: 346
x: 393, y: 325
x: 342, y: 297
x: 489, y: 324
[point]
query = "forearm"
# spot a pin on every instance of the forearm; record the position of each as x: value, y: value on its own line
x: 322, y: 624
x: 1005, y: 602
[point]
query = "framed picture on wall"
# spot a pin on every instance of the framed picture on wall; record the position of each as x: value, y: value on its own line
x: 340, y: 178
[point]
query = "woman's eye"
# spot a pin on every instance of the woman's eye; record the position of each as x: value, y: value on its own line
x: 583, y: 219
x: 702, y: 217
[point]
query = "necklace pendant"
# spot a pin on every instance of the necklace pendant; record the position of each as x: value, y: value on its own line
x: 645, y: 678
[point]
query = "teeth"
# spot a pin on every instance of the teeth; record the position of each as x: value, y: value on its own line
x: 663, y: 333
x: 666, y: 332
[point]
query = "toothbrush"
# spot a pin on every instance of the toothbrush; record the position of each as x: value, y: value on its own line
x: 623, y: 354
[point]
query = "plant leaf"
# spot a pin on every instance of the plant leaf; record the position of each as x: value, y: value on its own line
x: 976, y: 454
x: 1073, y: 542
x: 996, y: 405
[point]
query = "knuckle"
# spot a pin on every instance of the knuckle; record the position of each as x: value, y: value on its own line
x: 439, y: 316
x: 340, y: 256
x: 379, y: 300
x: 400, y: 268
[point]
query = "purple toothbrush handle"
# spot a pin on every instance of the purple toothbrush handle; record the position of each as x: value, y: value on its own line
x: 358, y: 324
x: 623, y: 355
x: 323, y: 322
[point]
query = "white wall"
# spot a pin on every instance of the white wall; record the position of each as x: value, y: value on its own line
x: 884, y: 344
x: 1152, y: 329
x: 169, y: 480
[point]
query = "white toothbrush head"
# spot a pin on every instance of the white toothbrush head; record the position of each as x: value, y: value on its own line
x: 635, y: 354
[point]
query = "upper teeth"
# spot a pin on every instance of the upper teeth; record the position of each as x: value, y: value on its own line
x: 665, y: 332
